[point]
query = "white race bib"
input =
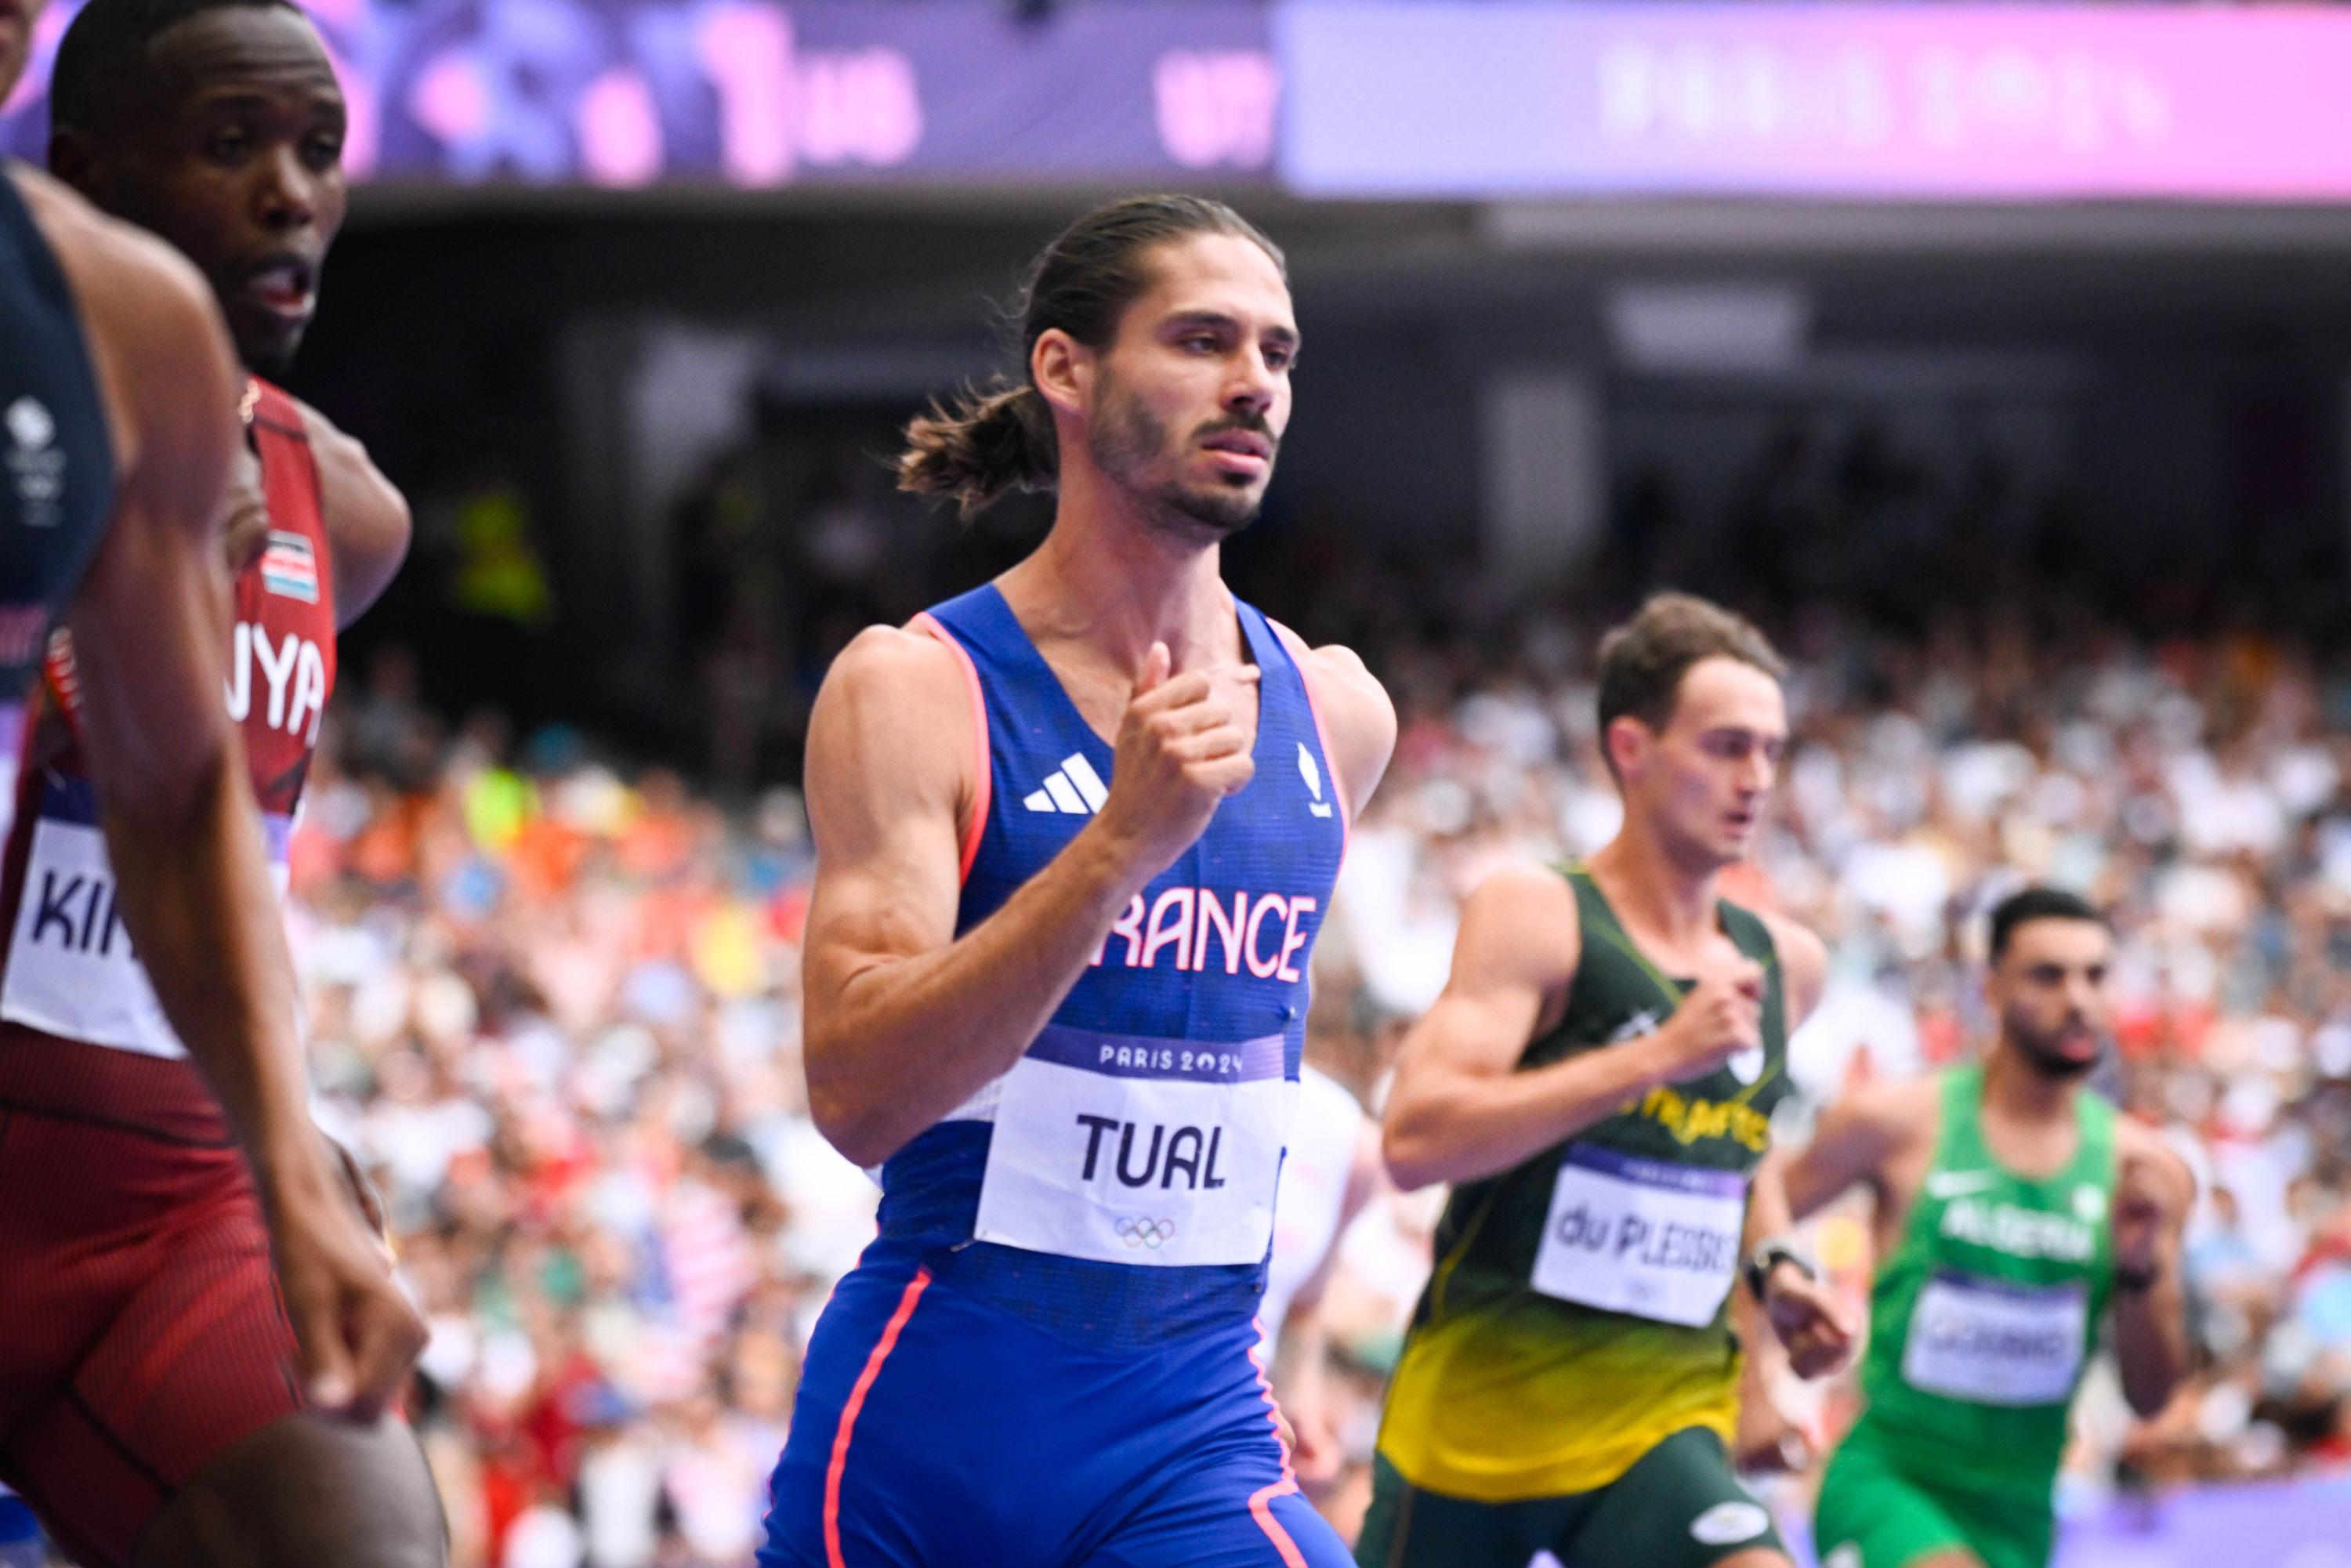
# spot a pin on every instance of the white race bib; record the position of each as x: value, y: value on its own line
x: 1164, y: 1153
x: 72, y: 970
x: 1652, y: 1239
x: 1992, y: 1341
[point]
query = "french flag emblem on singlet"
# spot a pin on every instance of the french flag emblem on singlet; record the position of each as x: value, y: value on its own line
x: 290, y: 568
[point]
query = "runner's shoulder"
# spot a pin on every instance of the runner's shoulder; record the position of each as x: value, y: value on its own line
x: 131, y: 283
x: 1522, y: 920
x: 1339, y: 674
x: 1897, y: 1108
x: 1363, y: 719
x: 154, y: 333
x: 900, y: 660
x: 1803, y: 960
x: 1524, y: 887
x: 369, y: 525
x: 898, y: 686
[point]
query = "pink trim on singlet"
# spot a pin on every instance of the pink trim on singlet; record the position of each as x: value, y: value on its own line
x: 1261, y: 1501
x: 881, y: 1349
x: 984, y: 777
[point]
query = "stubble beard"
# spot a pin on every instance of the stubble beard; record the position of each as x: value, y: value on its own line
x: 2042, y: 1053
x: 1127, y: 439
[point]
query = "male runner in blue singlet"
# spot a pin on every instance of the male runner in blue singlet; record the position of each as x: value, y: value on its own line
x: 1076, y: 832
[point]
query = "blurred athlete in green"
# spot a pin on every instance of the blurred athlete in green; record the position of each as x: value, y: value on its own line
x: 2013, y: 1208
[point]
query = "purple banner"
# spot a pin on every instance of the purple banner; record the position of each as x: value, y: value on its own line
x: 2285, y: 1524
x: 1908, y: 101
x: 758, y: 94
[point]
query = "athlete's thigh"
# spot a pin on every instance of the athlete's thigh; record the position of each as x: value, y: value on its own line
x: 1410, y: 1527
x: 2002, y: 1531
x: 192, y: 1360
x: 308, y: 1490
x: 1201, y: 1460
x: 1869, y: 1516
x: 199, y: 1375
x: 932, y: 1430
x: 1680, y: 1506
x: 865, y: 1460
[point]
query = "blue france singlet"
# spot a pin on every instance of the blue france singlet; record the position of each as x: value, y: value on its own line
x: 1116, y: 1188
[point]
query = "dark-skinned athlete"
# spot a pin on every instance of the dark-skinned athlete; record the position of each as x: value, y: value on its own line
x: 157, y: 1405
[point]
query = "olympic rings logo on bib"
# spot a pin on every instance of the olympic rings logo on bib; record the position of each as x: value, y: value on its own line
x: 1142, y: 1230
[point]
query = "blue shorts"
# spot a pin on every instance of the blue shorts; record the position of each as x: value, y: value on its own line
x: 934, y: 1430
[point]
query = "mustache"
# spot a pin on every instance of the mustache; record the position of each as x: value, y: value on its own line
x: 1240, y: 424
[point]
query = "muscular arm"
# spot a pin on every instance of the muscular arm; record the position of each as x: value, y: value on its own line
x: 150, y: 625
x: 1807, y: 1320
x: 1804, y: 971
x: 368, y: 525
x: 2154, y: 1189
x: 1458, y: 1108
x: 1767, y: 1211
x: 905, y: 1021
x: 1853, y: 1141
x: 1767, y: 1216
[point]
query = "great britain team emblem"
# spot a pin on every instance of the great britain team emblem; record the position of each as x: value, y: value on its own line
x: 289, y: 566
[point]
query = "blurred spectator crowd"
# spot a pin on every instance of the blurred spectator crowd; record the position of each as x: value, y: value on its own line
x: 554, y: 1007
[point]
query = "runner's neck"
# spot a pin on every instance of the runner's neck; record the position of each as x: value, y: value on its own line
x: 1117, y: 585
x: 1663, y: 906
x: 2033, y: 1106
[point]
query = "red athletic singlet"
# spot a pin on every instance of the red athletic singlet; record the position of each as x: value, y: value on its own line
x: 141, y: 1334
x: 68, y: 971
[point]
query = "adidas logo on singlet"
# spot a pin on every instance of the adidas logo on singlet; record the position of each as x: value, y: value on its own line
x: 1073, y: 789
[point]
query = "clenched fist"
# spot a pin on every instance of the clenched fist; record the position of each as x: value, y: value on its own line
x: 357, y: 1334
x: 2152, y: 1196
x: 1815, y: 1326
x: 1722, y: 1016
x: 1181, y: 750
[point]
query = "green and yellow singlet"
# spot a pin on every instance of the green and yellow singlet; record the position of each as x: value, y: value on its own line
x: 1579, y: 1313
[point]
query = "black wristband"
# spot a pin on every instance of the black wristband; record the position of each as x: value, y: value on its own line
x: 2137, y: 1282
x: 1769, y: 1256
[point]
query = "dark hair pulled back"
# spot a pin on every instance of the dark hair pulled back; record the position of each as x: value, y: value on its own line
x: 997, y: 437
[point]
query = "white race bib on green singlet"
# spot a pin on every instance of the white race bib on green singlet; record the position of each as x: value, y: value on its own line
x: 1993, y: 1341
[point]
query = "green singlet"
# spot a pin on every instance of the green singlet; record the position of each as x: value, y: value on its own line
x: 1981, y: 1320
x: 1578, y: 1318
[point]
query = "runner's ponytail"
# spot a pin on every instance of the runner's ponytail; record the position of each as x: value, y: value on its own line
x: 988, y: 440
